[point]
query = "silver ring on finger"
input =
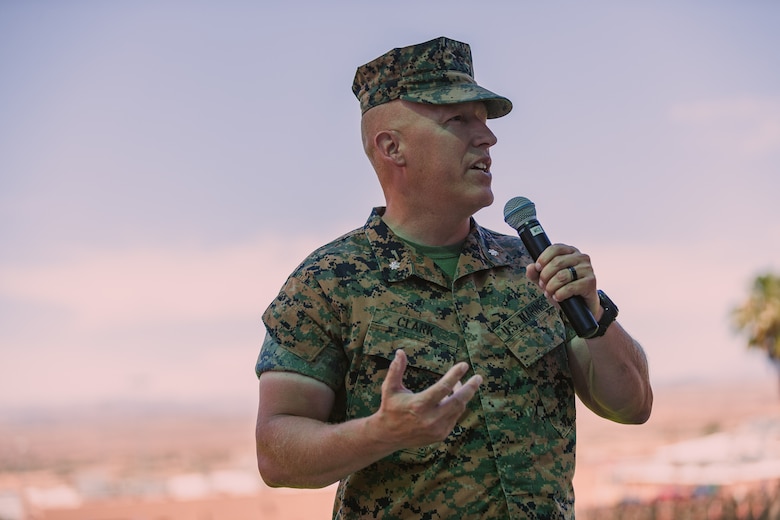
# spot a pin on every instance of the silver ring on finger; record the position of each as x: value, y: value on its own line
x: 573, y: 272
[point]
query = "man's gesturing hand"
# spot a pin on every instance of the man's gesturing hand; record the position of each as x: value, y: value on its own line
x: 409, y: 420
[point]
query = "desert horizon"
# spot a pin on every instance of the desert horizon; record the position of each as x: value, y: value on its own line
x: 181, y: 462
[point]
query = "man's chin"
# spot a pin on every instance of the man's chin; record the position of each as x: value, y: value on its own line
x: 489, y: 199
x: 483, y: 202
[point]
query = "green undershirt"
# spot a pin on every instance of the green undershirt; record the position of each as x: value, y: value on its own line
x: 446, y: 257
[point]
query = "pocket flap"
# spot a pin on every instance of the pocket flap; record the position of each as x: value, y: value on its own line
x: 533, y: 331
x: 426, y: 345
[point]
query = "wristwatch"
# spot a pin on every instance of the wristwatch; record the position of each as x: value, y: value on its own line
x: 610, y: 314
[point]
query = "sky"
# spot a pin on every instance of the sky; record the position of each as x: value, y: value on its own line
x: 164, y: 165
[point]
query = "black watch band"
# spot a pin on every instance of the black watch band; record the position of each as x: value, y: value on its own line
x: 610, y: 314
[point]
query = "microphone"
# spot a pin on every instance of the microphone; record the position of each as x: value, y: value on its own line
x: 520, y: 214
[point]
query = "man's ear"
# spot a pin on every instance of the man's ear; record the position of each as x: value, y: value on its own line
x: 388, y: 145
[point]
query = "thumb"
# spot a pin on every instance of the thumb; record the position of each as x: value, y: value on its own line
x: 532, y: 272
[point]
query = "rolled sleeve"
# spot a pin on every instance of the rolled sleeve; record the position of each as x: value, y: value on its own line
x: 328, y: 367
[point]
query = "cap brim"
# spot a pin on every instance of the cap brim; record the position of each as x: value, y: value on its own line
x: 497, y: 106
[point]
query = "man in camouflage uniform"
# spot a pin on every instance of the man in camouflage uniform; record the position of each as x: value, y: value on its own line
x: 369, y: 341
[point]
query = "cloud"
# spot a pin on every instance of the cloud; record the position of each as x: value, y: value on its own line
x: 99, y: 288
x: 157, y: 324
x: 749, y: 125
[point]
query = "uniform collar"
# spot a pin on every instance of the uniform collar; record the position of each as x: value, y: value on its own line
x: 398, y: 261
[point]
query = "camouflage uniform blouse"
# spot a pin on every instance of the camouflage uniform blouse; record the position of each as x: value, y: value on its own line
x: 352, y: 303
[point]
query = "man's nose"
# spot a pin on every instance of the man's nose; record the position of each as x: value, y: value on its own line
x: 485, y: 136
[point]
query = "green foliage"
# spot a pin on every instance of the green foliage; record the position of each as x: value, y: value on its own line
x: 759, y: 316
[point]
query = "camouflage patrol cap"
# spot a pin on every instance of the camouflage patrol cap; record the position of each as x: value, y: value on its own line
x: 438, y: 72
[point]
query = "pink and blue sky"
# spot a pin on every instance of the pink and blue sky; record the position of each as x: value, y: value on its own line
x: 164, y: 165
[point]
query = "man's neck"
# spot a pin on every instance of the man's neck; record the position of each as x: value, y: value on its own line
x: 428, y: 229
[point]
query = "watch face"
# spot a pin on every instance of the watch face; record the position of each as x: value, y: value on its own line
x: 608, y: 305
x: 610, y: 313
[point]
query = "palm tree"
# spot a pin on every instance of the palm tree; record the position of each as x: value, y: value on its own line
x: 759, y: 317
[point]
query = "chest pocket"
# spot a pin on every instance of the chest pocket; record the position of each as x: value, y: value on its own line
x: 430, y: 350
x: 532, y: 332
x: 536, y: 336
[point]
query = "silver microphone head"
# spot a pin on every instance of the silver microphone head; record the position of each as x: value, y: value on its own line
x: 518, y: 211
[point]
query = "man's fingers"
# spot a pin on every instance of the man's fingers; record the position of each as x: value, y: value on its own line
x: 448, y: 387
x: 468, y: 389
x: 448, y: 384
x: 532, y: 272
x: 463, y: 392
x: 394, y: 381
x: 458, y: 386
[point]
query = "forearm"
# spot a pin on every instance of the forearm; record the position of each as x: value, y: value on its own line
x: 611, y: 376
x: 297, y: 447
x: 301, y: 452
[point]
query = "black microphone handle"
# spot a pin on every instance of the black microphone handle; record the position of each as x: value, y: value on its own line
x: 535, y: 240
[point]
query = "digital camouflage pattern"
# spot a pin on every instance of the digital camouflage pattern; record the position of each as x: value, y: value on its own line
x: 346, y: 309
x: 438, y: 72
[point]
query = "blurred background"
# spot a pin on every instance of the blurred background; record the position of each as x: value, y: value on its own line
x: 165, y: 165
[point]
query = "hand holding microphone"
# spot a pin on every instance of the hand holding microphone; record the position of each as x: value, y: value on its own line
x: 520, y: 214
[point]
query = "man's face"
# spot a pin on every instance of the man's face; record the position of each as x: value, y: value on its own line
x: 446, y: 148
